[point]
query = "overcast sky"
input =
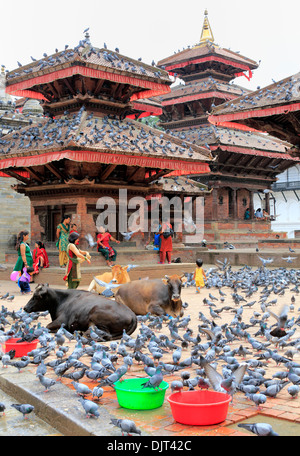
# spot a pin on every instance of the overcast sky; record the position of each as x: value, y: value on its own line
x: 266, y: 30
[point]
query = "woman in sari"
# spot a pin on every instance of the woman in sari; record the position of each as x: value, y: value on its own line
x: 40, y: 257
x: 166, y: 245
x: 63, y: 233
x: 103, y: 246
x: 24, y: 254
x: 75, y: 257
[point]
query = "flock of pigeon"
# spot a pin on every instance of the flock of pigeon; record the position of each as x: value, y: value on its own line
x: 87, y: 52
x: 233, y: 357
x: 89, y: 131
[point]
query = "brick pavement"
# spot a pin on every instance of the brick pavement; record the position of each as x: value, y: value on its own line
x: 160, y: 422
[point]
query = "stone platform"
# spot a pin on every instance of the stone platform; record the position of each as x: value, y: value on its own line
x: 147, y: 261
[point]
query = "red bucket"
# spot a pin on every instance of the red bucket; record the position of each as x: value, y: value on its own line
x: 199, y: 407
x: 21, y: 348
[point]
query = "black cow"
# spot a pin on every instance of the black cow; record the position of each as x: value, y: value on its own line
x: 79, y: 309
x: 155, y: 296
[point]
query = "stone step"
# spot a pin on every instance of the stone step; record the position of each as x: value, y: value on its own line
x: 125, y: 256
x: 54, y: 275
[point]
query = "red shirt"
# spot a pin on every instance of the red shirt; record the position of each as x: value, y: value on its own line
x: 104, y: 239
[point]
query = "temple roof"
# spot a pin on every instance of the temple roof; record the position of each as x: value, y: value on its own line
x: 181, y: 185
x: 90, y: 62
x: 208, y: 85
x: 275, y: 108
x: 242, y: 143
x: 85, y: 137
x: 208, y: 52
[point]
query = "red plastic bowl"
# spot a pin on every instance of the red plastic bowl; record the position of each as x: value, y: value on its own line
x: 21, y: 348
x: 199, y: 407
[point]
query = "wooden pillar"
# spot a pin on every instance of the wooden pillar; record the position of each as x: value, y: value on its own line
x: 215, y: 204
x: 251, y: 206
x: 267, y: 200
x: 234, y: 203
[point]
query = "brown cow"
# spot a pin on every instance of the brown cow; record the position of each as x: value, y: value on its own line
x: 117, y: 275
x: 155, y: 296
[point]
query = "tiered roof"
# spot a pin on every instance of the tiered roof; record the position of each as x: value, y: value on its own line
x: 88, y: 92
x: 275, y: 109
x: 109, y: 77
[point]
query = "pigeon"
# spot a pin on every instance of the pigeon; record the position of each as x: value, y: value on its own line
x: 108, y: 293
x: 127, y: 426
x: 97, y: 392
x: 266, y: 261
x: 25, y: 409
x: 5, y: 360
x: 81, y: 388
x: 2, y: 408
x: 90, y: 240
x: 155, y: 380
x: 260, y: 429
x: 127, y: 236
x: 279, y: 331
x: 176, y: 385
x: 257, y: 398
x: 293, y: 390
x: 46, y: 382
x: 20, y: 364
x: 221, y: 384
x: 91, y: 409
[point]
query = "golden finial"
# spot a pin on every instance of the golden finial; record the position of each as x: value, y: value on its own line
x: 206, y: 34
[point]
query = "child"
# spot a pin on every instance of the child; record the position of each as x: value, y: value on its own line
x: 40, y: 257
x: 24, y: 280
x: 199, y: 276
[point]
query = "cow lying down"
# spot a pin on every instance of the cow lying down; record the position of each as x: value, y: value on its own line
x: 79, y: 309
x: 157, y: 296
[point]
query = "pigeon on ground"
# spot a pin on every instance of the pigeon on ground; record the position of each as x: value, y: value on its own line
x: 127, y: 426
x: 46, y: 382
x: 91, y: 409
x: 20, y: 364
x: 257, y: 398
x: 176, y: 385
x: 260, y: 429
x: 2, y: 408
x: 25, y: 409
x: 97, y: 392
x: 293, y: 390
x: 81, y: 388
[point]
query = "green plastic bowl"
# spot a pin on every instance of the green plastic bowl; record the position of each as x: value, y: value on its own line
x: 132, y: 395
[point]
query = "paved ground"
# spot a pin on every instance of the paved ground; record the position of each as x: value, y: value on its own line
x: 61, y: 408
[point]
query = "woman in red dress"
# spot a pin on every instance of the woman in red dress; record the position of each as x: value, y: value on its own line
x: 166, y: 245
x: 40, y: 257
x: 103, y: 246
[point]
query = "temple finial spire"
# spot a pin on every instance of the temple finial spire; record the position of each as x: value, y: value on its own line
x: 206, y: 34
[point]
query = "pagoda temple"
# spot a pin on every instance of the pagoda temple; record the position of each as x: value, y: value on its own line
x: 86, y: 146
x: 246, y: 160
x: 276, y: 110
